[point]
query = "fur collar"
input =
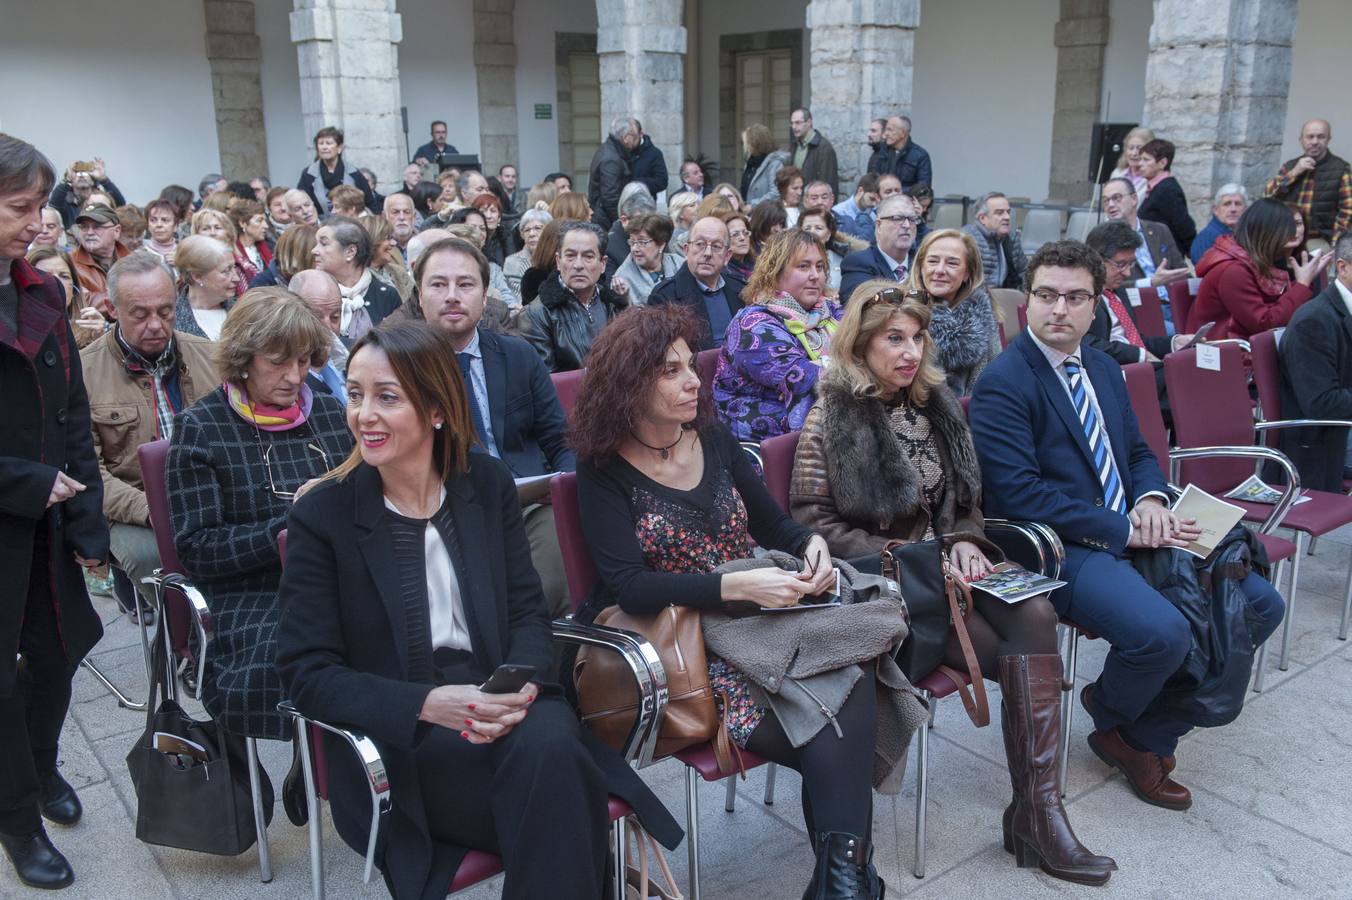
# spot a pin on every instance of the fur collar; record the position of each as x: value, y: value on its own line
x: 872, y: 479
x: 554, y: 295
x: 963, y: 334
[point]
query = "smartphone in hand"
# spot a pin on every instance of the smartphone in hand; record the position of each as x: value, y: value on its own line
x: 508, y: 679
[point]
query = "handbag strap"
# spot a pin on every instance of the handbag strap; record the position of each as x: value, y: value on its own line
x: 159, y: 661
x: 646, y: 844
x: 975, y: 702
x: 726, y: 753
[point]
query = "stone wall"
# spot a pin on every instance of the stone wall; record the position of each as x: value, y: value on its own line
x: 495, y: 74
x: 1216, y: 86
x: 862, y: 59
x: 1081, y: 35
x: 233, y: 53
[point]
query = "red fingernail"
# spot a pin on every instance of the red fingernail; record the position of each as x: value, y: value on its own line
x: 465, y: 735
x: 471, y: 705
x: 469, y: 722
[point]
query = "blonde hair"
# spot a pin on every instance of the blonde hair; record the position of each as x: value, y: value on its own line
x: 203, y: 216
x: 1139, y: 132
x: 757, y: 140
x: 976, y: 275
x: 715, y: 205
x: 273, y: 321
x: 861, y: 322
x: 197, y: 255
x: 779, y: 253
x: 571, y: 205
x: 679, y: 204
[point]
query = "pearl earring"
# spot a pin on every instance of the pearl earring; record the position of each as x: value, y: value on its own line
x: 438, y: 426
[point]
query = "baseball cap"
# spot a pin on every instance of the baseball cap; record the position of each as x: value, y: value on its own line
x: 99, y: 214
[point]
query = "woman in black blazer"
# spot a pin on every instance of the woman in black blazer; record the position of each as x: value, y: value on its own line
x: 408, y: 581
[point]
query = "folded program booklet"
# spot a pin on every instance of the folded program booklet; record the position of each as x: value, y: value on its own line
x: 1012, y: 583
x: 1255, y: 490
x: 1214, y: 516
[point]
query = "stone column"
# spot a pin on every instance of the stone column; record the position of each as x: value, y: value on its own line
x: 641, y: 46
x: 349, y: 78
x: 862, y: 55
x: 495, y: 74
x: 236, y: 88
x: 1081, y: 35
x: 1216, y: 85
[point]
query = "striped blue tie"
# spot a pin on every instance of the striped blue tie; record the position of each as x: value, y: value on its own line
x: 1104, y: 464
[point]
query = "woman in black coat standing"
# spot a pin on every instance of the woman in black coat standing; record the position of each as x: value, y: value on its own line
x: 51, y: 524
x: 408, y: 582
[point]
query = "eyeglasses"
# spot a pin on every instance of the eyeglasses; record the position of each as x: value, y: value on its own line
x: 1074, y: 299
x: 266, y: 453
x: 704, y: 246
x: 1114, y: 198
x: 901, y: 220
x: 641, y: 242
x: 1121, y: 266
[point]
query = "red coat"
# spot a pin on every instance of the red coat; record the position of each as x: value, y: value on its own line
x: 247, y: 270
x: 1237, y: 298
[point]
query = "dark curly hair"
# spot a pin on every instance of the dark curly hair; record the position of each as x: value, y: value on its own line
x: 623, y: 366
x: 1067, y: 255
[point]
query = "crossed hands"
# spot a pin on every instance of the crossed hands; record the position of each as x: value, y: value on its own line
x: 480, y: 718
x: 1154, y: 525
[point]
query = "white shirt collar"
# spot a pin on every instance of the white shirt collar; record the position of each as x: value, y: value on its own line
x: 1055, y: 358
x: 892, y: 264
x: 1344, y: 293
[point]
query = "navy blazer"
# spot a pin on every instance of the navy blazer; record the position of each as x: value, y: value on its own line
x: 1035, y: 460
x: 683, y: 288
x: 527, y: 420
x: 864, y: 265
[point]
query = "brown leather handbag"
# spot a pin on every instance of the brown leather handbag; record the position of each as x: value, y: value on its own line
x: 608, y: 699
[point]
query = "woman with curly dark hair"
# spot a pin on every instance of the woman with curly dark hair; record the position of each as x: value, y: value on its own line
x: 668, y: 499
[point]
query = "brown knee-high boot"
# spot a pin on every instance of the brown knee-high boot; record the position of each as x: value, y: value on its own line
x: 1036, y: 829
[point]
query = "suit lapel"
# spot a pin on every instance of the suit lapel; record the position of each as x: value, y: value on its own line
x: 1056, y: 394
x: 495, y: 373
x: 476, y: 589
x: 377, y: 550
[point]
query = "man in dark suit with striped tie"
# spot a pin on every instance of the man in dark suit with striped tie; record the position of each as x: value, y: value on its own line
x: 1059, y: 444
x: 513, y: 404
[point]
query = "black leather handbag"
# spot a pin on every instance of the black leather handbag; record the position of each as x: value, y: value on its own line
x: 197, y: 798
x: 936, y: 601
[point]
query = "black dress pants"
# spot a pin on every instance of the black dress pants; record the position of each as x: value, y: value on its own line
x: 32, y: 715
x: 535, y: 797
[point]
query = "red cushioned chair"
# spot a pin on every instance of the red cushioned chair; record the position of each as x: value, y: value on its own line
x: 706, y: 362
x: 1149, y: 311
x: 180, y: 606
x: 1181, y: 299
x: 1214, y: 408
x: 1037, y: 554
x: 566, y: 385
x: 478, y: 865
x: 700, y: 763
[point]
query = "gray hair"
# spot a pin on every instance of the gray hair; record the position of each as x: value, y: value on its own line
x: 462, y: 183
x: 1229, y: 189
x: 571, y: 226
x: 885, y: 207
x: 807, y: 113
x: 207, y: 181
x: 635, y: 200
x: 349, y: 232
x: 1343, y: 249
x: 138, y: 262
x: 418, y: 244
x: 23, y: 167
x: 620, y: 125
x: 983, y: 202
x: 297, y: 283
x: 535, y: 215
x: 1122, y: 180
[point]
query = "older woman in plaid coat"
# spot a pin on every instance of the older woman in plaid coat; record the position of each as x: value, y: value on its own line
x: 238, y: 456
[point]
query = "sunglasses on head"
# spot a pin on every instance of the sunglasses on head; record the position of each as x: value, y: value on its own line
x: 896, y: 297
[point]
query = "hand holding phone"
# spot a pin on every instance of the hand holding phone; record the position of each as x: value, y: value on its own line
x: 508, y: 679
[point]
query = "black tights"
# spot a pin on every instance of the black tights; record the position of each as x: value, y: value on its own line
x: 1000, y: 629
x: 837, y: 771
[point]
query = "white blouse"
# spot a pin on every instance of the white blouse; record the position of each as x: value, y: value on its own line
x: 445, y: 609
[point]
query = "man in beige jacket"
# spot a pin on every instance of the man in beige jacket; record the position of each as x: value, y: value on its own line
x: 139, y: 375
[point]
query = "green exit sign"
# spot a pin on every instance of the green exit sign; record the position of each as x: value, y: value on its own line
x: 544, y: 110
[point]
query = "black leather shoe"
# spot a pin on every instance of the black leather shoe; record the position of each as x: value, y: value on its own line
x: 37, y: 863
x: 293, y: 788
x: 59, y: 801
x: 130, y: 601
x: 187, y: 674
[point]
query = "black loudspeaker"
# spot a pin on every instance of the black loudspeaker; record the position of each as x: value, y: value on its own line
x: 1105, y: 147
x: 462, y: 161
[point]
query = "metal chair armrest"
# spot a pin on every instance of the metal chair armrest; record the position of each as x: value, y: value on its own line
x: 1289, y: 497
x: 1238, y: 342
x: 1277, y: 424
x: 753, y: 449
x: 372, y: 764
x: 197, y: 606
x: 1044, y: 540
x: 650, y: 679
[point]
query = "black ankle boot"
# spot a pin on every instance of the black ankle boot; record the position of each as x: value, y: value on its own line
x: 293, y: 788
x: 59, y: 801
x: 37, y: 863
x: 844, y: 869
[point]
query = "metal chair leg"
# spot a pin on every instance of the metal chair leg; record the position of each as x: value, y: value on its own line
x: 730, y: 799
x: 1283, y: 662
x: 770, y: 772
x: 1067, y: 707
x: 922, y: 790
x: 312, y: 806
x: 692, y: 828
x: 1347, y: 606
x: 1260, y: 660
x: 617, y: 836
x: 260, y: 822
x: 122, y: 699
x: 1309, y: 551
